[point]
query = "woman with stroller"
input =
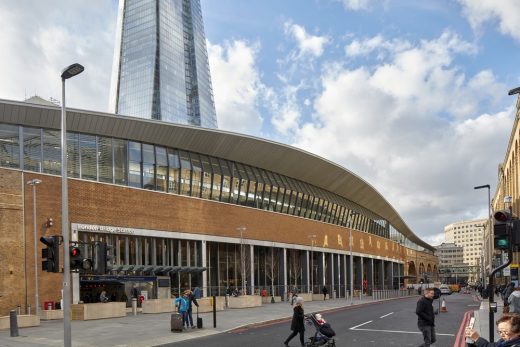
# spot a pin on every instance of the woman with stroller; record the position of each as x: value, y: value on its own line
x: 297, y: 324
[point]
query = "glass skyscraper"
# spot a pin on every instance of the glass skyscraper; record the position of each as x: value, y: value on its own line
x: 161, y: 68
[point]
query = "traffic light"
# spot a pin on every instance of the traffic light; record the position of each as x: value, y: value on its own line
x: 502, y: 230
x: 77, y: 260
x: 515, y: 233
x: 101, y: 258
x: 51, y: 253
x: 49, y: 222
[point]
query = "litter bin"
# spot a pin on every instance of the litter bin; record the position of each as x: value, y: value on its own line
x: 48, y: 305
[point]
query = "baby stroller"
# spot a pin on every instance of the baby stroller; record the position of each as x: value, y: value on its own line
x: 324, y: 333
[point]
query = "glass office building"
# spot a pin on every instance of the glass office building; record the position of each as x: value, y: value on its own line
x: 161, y: 68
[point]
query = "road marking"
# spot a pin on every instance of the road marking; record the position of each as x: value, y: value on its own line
x: 360, y: 325
x: 386, y: 315
x: 396, y: 331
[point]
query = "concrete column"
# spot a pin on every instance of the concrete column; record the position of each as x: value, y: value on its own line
x: 252, y: 268
x: 205, y: 274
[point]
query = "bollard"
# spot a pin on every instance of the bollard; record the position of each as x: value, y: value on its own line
x: 13, y: 323
x: 18, y: 309
x: 134, y: 306
x: 28, y: 309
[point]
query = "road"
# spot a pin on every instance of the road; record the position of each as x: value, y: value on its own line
x: 387, y: 323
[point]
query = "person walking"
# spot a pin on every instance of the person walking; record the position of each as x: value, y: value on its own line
x: 191, y: 300
x: 507, y: 292
x: 426, y: 317
x: 182, y: 303
x: 514, y: 301
x: 297, y: 324
x: 325, y: 291
x: 508, y: 327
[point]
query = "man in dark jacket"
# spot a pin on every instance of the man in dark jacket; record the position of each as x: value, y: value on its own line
x: 426, y: 317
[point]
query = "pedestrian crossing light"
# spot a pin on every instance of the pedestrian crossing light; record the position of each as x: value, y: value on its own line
x: 77, y: 260
x: 51, y: 253
x: 502, y: 230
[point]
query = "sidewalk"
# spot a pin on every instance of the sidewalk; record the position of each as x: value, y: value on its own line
x: 154, y: 329
x: 482, y: 317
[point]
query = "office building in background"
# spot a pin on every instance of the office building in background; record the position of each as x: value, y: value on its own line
x: 161, y: 68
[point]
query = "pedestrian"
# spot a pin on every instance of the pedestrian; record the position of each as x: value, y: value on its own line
x: 508, y: 327
x: 514, y: 301
x: 191, y: 300
x: 426, y: 317
x: 297, y: 324
x: 135, y: 292
x: 103, y: 296
x: 507, y: 292
x: 325, y: 291
x: 182, y: 303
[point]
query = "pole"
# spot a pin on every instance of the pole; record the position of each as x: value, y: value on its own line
x: 67, y: 337
x: 490, y: 245
x: 351, y: 265
x: 36, y: 299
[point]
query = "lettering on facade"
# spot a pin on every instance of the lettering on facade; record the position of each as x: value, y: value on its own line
x: 378, y: 244
x: 326, y: 241
x: 340, y: 240
x: 106, y: 229
x: 361, y: 244
x: 386, y: 246
x: 370, y: 241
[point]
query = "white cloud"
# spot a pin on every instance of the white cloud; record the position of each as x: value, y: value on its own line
x: 504, y: 12
x: 307, y: 44
x: 410, y: 127
x: 237, y: 86
x: 38, y: 42
x: 356, y: 5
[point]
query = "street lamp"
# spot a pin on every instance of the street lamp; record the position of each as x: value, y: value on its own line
x: 351, y: 257
x: 68, y: 72
x: 242, y: 259
x: 490, y: 249
x: 313, y: 238
x: 34, y: 182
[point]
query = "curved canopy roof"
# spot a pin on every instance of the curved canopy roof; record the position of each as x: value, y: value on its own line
x: 262, y: 153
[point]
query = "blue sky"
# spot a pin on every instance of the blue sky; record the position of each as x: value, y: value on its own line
x: 409, y: 95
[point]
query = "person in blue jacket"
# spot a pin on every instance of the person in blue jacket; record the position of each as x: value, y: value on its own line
x: 183, y: 303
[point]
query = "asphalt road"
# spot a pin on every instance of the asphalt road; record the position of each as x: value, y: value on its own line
x: 388, y: 323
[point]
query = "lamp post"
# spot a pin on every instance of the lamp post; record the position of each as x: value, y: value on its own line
x: 34, y: 182
x: 68, y: 72
x: 351, y: 257
x: 242, y: 259
x: 313, y: 238
x: 489, y: 246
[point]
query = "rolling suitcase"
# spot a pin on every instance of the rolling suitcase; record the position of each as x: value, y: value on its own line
x: 199, y: 320
x: 176, y: 322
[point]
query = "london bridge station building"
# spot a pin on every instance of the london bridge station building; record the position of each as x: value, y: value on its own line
x: 186, y: 207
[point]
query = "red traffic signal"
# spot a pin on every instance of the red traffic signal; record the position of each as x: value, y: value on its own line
x: 502, y: 216
x: 74, y: 251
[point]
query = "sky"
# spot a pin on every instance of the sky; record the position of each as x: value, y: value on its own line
x: 409, y: 95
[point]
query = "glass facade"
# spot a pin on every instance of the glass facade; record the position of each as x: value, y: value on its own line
x: 146, y: 166
x: 162, y: 65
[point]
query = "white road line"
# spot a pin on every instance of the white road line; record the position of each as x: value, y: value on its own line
x: 360, y: 325
x: 386, y: 315
x: 396, y: 331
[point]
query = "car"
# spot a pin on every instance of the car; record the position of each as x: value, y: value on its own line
x: 445, y: 289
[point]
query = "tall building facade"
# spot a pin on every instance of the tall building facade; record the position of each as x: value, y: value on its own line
x: 161, y: 68
x: 468, y: 234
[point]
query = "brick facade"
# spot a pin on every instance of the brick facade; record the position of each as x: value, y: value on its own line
x: 105, y: 204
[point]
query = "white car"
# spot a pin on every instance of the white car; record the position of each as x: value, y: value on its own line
x: 445, y: 289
